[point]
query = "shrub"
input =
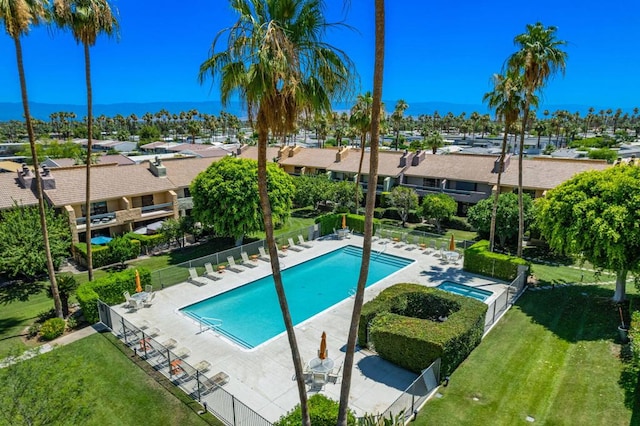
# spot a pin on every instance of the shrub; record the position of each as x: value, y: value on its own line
x: 103, y: 255
x: 329, y: 222
x: 457, y: 222
x: 479, y: 260
x: 322, y: 411
x: 402, y: 324
x: 384, y: 200
x: 33, y: 330
x: 52, y: 328
x: 378, y: 212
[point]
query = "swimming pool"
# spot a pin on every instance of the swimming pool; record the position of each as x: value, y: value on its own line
x: 251, y: 315
x: 465, y: 290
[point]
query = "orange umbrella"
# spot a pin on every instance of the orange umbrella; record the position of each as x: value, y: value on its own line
x: 138, y: 285
x: 452, y: 244
x: 344, y: 221
x: 323, y: 346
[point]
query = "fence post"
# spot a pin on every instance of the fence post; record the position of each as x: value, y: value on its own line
x: 233, y: 408
x: 198, y: 385
x: 124, y: 331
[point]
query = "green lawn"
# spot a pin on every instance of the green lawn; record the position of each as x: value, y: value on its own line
x: 119, y: 392
x: 554, y: 357
x: 16, y: 317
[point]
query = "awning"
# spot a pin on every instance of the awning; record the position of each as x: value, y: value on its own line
x: 101, y: 240
x: 154, y: 227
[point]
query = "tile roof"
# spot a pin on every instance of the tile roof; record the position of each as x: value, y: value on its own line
x: 184, y: 170
x: 11, y: 191
x: 9, y: 166
x: 470, y: 168
x: 547, y: 173
x: 107, y: 182
x: 320, y: 158
x: 388, y: 163
x: 251, y: 152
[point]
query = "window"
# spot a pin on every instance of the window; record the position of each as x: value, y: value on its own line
x: 431, y: 183
x: 99, y: 207
x: 466, y: 186
x: 187, y: 192
x: 147, y: 200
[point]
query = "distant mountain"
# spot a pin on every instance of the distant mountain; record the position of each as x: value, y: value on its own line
x: 42, y: 111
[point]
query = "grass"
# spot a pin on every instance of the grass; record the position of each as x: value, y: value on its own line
x: 16, y: 317
x: 118, y: 391
x: 554, y: 357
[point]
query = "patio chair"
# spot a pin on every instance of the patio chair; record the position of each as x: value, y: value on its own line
x: 333, y: 377
x: 263, y: 255
x: 318, y: 380
x: 206, y: 385
x: 195, y: 279
x: 293, y: 246
x: 246, y: 261
x: 233, y: 266
x: 202, y: 366
x: 210, y: 273
x: 182, y: 352
x: 147, y: 303
x: 303, y: 243
x: 148, y: 288
x: 169, y: 343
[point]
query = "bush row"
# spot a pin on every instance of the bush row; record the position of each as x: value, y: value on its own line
x: 404, y: 328
x: 354, y: 222
x: 479, y: 260
x: 109, y: 289
x: 102, y: 255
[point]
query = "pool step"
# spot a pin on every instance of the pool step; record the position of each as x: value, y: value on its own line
x: 383, y: 258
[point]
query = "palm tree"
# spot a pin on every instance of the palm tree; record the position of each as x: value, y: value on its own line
x: 87, y: 19
x: 18, y: 16
x: 276, y: 61
x: 361, y: 120
x: 396, y: 118
x: 539, y: 57
x: 376, y: 113
x: 506, y: 99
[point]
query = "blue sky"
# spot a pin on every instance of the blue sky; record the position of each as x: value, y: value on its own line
x: 435, y: 52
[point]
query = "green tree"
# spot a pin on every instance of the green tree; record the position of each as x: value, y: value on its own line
x: 437, y: 207
x: 18, y: 16
x: 149, y: 134
x: 278, y: 63
x: 67, y: 285
x: 22, y: 252
x: 225, y: 196
x: 539, y: 57
x: 87, y: 19
x: 27, y: 400
x: 342, y: 195
x: 121, y: 249
x: 173, y: 230
x: 595, y: 215
x: 603, y: 154
x: 396, y: 118
x: 312, y: 190
x: 506, y: 99
x: 404, y: 199
x: 361, y: 120
x: 434, y: 141
x: 479, y: 216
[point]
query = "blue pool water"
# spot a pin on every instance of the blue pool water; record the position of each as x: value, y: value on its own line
x: 251, y: 314
x: 465, y: 290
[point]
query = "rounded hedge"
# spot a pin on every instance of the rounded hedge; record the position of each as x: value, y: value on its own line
x: 52, y: 328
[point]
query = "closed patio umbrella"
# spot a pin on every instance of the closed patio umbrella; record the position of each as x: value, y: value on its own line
x: 344, y: 221
x: 322, y: 354
x: 452, y: 244
x: 138, y: 285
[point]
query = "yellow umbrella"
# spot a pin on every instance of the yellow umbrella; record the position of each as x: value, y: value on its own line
x: 138, y: 285
x: 452, y: 244
x: 323, y: 346
x: 344, y: 221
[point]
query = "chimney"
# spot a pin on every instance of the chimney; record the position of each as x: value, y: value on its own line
x: 25, y: 177
x: 293, y: 151
x: 48, y: 182
x: 403, y: 159
x: 342, y: 153
x: 496, y: 164
x: 283, y: 151
x: 157, y: 168
x: 418, y: 157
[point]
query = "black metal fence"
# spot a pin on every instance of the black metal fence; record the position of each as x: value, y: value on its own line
x: 195, y: 380
x: 507, y: 298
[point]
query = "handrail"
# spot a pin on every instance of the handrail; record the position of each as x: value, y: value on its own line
x: 210, y: 325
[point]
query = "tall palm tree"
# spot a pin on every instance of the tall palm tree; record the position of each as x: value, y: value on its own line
x: 539, y: 57
x: 361, y: 120
x: 18, y: 16
x: 87, y: 19
x: 506, y: 100
x: 276, y: 61
x: 376, y: 114
x: 396, y: 118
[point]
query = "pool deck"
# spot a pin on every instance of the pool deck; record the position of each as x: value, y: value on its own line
x: 262, y: 378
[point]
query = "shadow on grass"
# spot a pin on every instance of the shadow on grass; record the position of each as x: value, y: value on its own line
x: 193, y: 252
x: 7, y: 323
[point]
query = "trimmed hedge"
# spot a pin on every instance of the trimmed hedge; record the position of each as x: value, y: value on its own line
x: 108, y: 289
x: 146, y: 241
x: 329, y: 222
x: 101, y: 255
x: 479, y: 260
x: 404, y: 327
x: 322, y: 411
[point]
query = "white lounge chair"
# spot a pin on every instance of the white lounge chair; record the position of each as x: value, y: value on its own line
x: 202, y: 366
x: 206, y: 385
x: 182, y: 352
x: 195, y: 279
x: 303, y: 243
x: 293, y: 246
x: 210, y: 273
x: 232, y: 265
x: 169, y: 343
x: 153, y: 331
x: 246, y: 261
x: 263, y: 255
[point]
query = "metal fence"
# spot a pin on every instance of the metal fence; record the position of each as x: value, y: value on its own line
x: 499, y: 306
x: 411, y: 236
x: 180, y: 273
x: 195, y: 381
x: 415, y: 395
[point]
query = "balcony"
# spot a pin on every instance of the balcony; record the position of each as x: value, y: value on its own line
x: 156, y: 210
x: 98, y: 221
x: 120, y: 217
x: 471, y: 197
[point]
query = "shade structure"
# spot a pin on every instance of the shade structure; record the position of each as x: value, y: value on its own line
x: 154, y: 227
x: 344, y: 221
x: 452, y: 244
x: 322, y: 354
x: 138, y: 285
x: 101, y: 240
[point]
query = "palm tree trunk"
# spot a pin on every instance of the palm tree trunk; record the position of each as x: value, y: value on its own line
x: 368, y: 218
x: 363, y: 141
x: 525, y: 116
x: 34, y: 154
x: 494, y: 211
x: 87, y: 203
x: 275, y: 266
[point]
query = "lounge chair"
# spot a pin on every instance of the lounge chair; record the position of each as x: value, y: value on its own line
x: 206, y: 385
x: 182, y: 352
x: 153, y: 331
x: 132, y: 304
x: 210, y: 273
x: 195, y: 279
x: 263, y: 255
x: 232, y: 265
x: 202, y: 366
x: 293, y: 246
x: 149, y: 301
x: 169, y: 343
x: 303, y: 243
x: 246, y: 261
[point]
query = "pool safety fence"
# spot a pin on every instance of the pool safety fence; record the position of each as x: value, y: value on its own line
x: 414, y: 396
x: 180, y: 273
x: 202, y: 385
x: 506, y: 299
x: 412, y: 236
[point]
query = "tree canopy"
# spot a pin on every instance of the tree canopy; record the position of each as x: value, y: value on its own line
x: 479, y: 216
x: 225, y: 196
x: 596, y: 215
x: 404, y: 199
x: 437, y: 207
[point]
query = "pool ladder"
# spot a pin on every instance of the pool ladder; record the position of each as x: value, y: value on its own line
x: 211, y: 324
